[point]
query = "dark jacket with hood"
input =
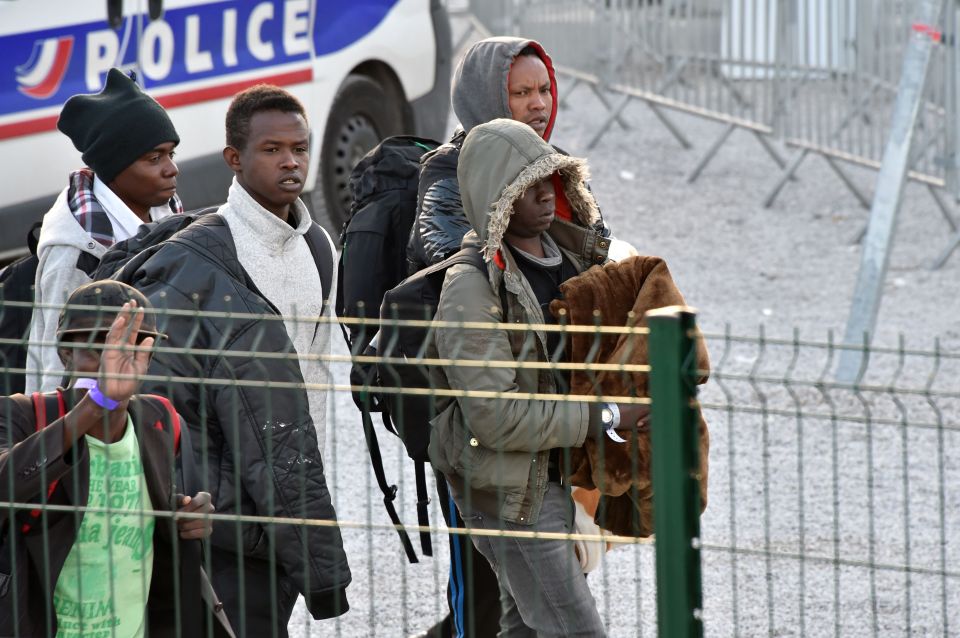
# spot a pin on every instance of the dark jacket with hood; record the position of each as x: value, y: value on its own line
x: 239, y: 386
x: 480, y: 94
x: 494, y: 448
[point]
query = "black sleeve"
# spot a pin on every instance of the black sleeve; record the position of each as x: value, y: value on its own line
x: 268, y: 430
x: 442, y: 223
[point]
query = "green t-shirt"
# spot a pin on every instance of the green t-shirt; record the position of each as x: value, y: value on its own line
x: 103, y: 587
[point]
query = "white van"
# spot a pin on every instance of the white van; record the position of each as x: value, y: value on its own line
x: 364, y: 69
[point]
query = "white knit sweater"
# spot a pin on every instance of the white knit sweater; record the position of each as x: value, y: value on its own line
x: 278, y: 260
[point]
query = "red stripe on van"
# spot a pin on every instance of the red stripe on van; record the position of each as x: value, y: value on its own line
x: 171, y: 101
x: 208, y: 93
x: 28, y: 127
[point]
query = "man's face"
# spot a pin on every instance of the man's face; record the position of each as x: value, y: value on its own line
x: 534, y: 211
x: 528, y: 86
x: 273, y: 165
x: 150, y: 181
x: 80, y: 352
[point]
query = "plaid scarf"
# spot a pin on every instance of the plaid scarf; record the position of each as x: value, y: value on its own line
x: 90, y: 214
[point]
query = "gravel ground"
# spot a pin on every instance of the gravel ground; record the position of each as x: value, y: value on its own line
x: 859, y: 484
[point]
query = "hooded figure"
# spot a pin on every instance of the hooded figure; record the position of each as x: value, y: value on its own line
x: 502, y: 77
x: 502, y: 457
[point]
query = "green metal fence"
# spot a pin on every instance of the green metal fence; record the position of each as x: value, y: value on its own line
x: 838, y: 500
x: 833, y: 508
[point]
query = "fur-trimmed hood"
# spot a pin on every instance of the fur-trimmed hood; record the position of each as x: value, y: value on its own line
x: 502, y: 159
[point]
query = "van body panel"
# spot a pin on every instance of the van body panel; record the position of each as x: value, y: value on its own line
x: 193, y: 60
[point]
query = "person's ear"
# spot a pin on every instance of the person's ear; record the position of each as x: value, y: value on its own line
x: 66, y: 358
x: 231, y: 156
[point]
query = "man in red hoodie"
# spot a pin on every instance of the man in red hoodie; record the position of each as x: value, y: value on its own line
x: 501, y: 77
x: 498, y: 77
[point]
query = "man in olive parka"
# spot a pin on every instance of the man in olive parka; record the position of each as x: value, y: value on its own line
x: 498, y: 77
x: 502, y: 456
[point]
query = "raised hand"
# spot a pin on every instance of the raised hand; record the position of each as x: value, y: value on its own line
x: 122, y: 363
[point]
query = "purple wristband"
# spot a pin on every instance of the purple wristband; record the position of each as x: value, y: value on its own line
x: 93, y: 391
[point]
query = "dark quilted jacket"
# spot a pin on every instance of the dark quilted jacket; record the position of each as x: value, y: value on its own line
x: 440, y: 223
x: 256, y: 445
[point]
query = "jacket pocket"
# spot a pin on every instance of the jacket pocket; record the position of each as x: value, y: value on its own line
x: 455, y: 450
x: 487, y: 469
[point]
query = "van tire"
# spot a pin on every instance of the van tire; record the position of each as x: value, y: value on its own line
x: 362, y: 115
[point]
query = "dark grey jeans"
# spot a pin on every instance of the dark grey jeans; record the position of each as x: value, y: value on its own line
x: 543, y: 591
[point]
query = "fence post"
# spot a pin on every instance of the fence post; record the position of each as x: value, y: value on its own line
x: 675, y: 465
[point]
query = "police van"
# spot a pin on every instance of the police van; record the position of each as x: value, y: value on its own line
x: 364, y: 69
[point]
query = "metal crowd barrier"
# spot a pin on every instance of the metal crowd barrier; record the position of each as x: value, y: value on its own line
x: 818, y: 76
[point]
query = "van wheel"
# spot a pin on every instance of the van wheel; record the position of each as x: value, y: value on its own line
x: 361, y: 116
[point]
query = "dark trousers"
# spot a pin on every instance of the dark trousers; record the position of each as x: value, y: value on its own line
x: 473, y: 592
x: 254, y: 615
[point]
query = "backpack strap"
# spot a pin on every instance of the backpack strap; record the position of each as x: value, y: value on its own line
x: 473, y: 257
x: 423, y: 502
x: 40, y: 421
x: 33, y: 237
x: 87, y: 263
x: 322, y: 257
x: 419, y: 469
x: 172, y: 416
x: 389, y: 491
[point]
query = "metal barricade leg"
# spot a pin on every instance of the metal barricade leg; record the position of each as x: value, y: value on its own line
x: 615, y: 114
x: 771, y: 151
x: 794, y: 164
x: 951, y: 246
x: 785, y: 176
x: 853, y: 188
x: 708, y: 156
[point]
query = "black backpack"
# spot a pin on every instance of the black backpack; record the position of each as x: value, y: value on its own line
x: 17, y: 282
x: 398, y: 347
x: 373, y: 260
x: 16, y: 314
x: 384, y: 187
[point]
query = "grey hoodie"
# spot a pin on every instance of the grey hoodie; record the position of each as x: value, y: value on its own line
x: 480, y: 83
x: 62, y: 240
x: 479, y: 95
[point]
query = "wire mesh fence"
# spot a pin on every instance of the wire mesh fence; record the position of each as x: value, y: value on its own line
x: 833, y: 508
x: 840, y: 505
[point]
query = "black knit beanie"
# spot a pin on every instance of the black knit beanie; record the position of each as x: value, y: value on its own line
x: 114, y: 127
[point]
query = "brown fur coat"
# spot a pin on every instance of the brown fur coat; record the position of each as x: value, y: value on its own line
x: 636, y: 285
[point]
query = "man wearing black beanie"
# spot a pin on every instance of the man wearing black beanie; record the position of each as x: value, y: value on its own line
x: 127, y: 142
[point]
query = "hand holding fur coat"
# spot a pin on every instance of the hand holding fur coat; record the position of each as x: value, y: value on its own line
x: 637, y: 284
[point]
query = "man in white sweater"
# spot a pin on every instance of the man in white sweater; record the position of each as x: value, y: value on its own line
x: 127, y: 141
x: 268, y: 223
x: 255, y: 279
